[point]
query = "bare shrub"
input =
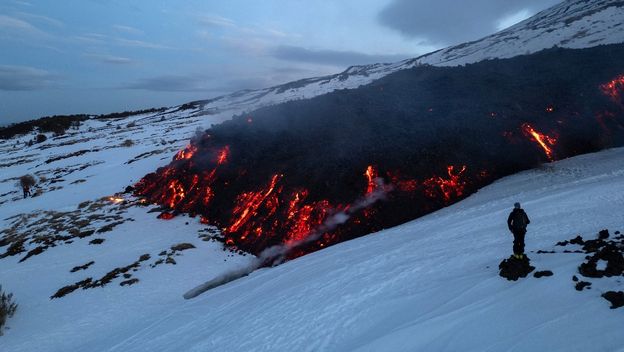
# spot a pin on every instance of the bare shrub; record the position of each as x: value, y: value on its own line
x: 7, y: 308
x: 127, y: 143
x: 27, y: 181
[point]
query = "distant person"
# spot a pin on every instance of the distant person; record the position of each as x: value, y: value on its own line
x: 517, y: 222
x: 26, y: 190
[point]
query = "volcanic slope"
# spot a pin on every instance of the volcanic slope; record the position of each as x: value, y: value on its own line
x: 570, y: 24
x: 434, y: 135
x: 431, y: 284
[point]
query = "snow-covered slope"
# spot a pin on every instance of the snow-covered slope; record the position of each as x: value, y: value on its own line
x: 571, y: 24
x: 428, y: 285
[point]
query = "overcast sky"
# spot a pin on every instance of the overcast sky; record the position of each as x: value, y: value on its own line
x: 98, y: 56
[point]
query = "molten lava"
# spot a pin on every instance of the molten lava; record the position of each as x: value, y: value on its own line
x: 448, y: 188
x: 186, y: 153
x: 371, y: 176
x: 614, y: 89
x: 544, y: 141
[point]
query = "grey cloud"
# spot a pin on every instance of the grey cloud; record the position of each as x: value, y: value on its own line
x: 330, y: 57
x: 216, y: 21
x: 170, y: 83
x: 200, y: 83
x: 49, y: 21
x: 140, y: 44
x: 446, y: 22
x: 21, y: 78
x: 110, y: 59
x: 128, y: 29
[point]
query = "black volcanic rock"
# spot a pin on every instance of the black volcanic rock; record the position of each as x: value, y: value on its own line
x: 543, y: 273
x: 452, y: 125
x: 616, y: 298
x: 513, y: 268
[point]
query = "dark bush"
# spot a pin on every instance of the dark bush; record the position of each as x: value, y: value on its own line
x: 118, y: 115
x: 41, y: 138
x: 7, y: 308
x: 27, y: 181
x: 56, y: 124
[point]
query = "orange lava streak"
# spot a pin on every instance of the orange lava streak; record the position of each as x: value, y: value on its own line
x: 371, y: 175
x: 223, y: 155
x: 448, y: 187
x: 177, y: 193
x: 544, y: 141
x: 249, y: 203
x: 186, y: 153
x: 614, y: 88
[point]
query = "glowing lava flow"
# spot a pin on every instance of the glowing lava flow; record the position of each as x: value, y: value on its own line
x: 186, y: 153
x: 249, y: 203
x: 544, y: 141
x: 614, y: 88
x: 371, y: 175
x: 447, y: 187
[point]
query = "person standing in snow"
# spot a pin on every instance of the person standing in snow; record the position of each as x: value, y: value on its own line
x: 517, y: 223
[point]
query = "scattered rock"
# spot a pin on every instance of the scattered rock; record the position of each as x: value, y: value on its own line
x: 615, y: 297
x: 603, y: 235
x: 127, y: 276
x: 182, y: 247
x: 87, y: 233
x: 577, y: 240
x: 34, y: 252
x: 609, y: 253
x: 512, y: 268
x: 71, y: 288
x: 543, y: 273
x: 96, y: 241
x: 574, y: 278
x: 82, y: 267
x: 109, y: 227
x: 582, y: 285
x: 144, y: 257
x: 129, y: 282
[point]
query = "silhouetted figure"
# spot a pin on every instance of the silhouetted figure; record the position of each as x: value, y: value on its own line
x: 26, y: 190
x: 517, y: 222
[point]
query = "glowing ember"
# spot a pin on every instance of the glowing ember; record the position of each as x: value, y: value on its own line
x: 544, y: 141
x: 186, y: 153
x: 614, y: 88
x: 223, y: 155
x: 248, y: 204
x: 371, y: 175
x: 166, y: 216
x: 449, y: 187
x: 116, y: 200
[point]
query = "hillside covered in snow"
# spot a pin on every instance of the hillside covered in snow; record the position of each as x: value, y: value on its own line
x: 431, y: 284
x: 95, y: 267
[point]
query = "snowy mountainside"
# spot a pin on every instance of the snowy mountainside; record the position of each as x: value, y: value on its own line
x: 430, y: 284
x: 570, y: 24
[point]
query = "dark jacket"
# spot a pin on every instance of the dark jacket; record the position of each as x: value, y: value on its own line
x: 518, y: 220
